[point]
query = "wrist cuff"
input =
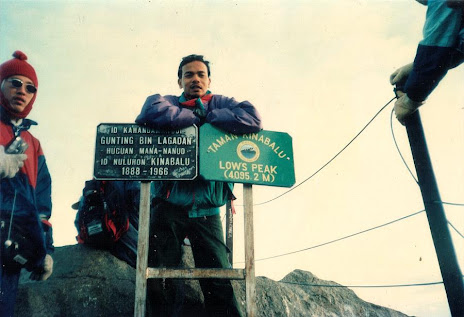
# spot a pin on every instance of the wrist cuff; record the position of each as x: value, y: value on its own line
x: 411, y: 104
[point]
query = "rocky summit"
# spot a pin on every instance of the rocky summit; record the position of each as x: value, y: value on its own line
x: 93, y: 283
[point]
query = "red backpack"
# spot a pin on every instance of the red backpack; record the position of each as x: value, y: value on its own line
x: 100, y: 220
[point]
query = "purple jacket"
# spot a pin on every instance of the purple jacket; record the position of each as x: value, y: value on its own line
x: 165, y: 112
x: 202, y: 197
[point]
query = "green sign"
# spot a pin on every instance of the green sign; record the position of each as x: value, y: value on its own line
x: 133, y: 152
x: 264, y: 158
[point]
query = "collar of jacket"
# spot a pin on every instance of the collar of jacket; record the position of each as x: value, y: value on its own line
x: 193, y: 102
x: 23, y: 126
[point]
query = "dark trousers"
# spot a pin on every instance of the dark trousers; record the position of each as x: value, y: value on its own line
x: 170, y: 225
x: 8, y: 289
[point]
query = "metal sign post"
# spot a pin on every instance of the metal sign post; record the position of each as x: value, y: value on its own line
x: 450, y: 271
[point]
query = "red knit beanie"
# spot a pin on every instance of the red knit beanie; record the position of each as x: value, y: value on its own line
x: 18, y: 66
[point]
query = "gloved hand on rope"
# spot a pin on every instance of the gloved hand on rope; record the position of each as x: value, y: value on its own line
x: 10, y: 163
x: 43, y: 273
x: 405, y: 106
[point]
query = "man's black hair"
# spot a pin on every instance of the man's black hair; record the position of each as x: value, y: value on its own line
x: 189, y: 59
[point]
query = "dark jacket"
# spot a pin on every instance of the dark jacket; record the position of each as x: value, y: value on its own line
x: 440, y: 50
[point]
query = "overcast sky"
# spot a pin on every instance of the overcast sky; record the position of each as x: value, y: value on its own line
x: 317, y: 70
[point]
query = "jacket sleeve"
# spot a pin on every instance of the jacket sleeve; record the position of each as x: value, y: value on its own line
x: 44, y: 201
x: 431, y: 64
x: 436, y: 53
x: 233, y: 116
x: 161, y: 113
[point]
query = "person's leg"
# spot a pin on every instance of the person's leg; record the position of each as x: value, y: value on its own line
x: 8, y: 290
x: 125, y: 248
x: 166, y: 236
x: 209, y: 251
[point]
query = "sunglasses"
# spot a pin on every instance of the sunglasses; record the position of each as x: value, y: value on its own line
x: 17, y: 83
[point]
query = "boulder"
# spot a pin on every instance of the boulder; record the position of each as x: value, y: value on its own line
x: 93, y: 283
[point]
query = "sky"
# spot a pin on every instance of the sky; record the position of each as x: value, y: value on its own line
x: 317, y: 70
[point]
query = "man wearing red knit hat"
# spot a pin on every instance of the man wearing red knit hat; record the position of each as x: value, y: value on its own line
x: 25, y: 185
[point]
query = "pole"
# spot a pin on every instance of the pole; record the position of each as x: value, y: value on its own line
x: 449, y: 267
x: 250, y: 281
x: 142, y: 251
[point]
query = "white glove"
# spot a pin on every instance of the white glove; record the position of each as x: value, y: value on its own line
x: 10, y: 163
x: 44, y: 272
x: 401, y: 74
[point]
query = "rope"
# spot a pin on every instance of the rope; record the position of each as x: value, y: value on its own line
x: 333, y: 158
x: 342, y: 238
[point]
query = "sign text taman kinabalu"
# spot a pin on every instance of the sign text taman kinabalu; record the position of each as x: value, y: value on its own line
x: 262, y: 158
